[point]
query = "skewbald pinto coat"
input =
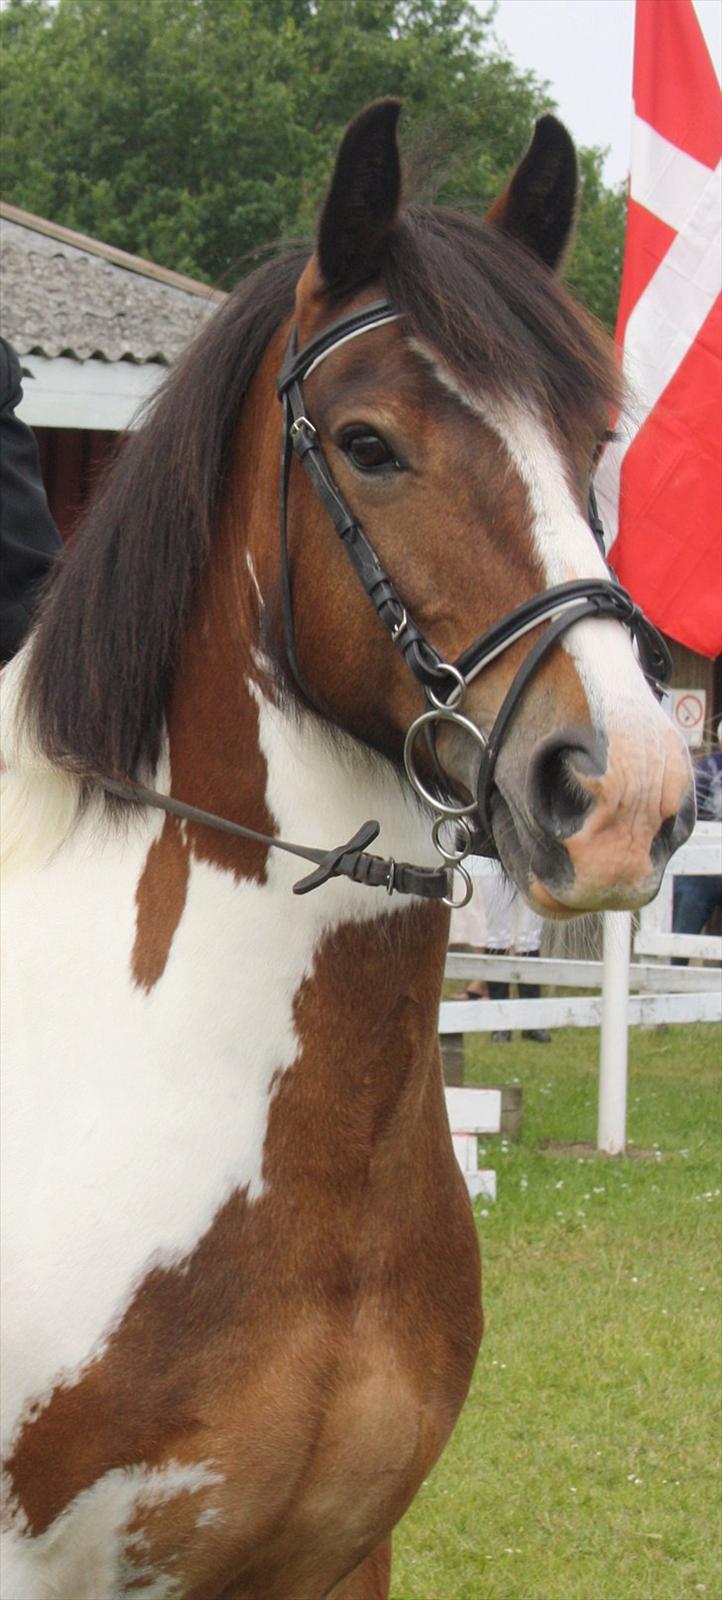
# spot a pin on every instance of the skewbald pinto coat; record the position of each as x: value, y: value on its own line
x: 245, y: 1302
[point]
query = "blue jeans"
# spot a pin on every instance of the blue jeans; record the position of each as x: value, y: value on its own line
x: 695, y: 899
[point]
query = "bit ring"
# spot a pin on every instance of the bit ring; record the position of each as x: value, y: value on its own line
x: 456, y: 905
x: 453, y: 857
x: 440, y: 714
x: 458, y: 691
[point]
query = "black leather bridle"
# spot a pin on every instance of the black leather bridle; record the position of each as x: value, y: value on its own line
x: 444, y: 682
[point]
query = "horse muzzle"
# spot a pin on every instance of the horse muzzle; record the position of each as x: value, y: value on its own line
x: 598, y: 820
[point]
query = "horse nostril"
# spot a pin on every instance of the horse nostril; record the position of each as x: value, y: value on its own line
x: 674, y: 831
x: 557, y: 796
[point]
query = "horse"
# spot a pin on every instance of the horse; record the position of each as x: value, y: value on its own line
x: 243, y: 1299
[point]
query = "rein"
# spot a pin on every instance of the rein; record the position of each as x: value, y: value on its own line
x: 444, y: 682
x: 345, y: 861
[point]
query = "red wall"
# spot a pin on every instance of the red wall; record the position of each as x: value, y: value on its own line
x: 71, y: 462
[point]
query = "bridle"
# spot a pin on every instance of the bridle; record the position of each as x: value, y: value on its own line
x: 444, y: 682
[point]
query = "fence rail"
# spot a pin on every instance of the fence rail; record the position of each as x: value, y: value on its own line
x: 667, y: 994
x: 562, y: 973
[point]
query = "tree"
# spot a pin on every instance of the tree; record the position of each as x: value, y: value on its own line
x: 198, y: 132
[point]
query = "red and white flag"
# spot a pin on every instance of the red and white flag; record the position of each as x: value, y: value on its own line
x: 660, y: 485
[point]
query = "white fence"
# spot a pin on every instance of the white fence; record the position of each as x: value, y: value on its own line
x: 666, y: 994
x: 473, y: 1113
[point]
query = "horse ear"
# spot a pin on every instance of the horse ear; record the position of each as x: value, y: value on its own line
x: 539, y: 206
x: 363, y: 200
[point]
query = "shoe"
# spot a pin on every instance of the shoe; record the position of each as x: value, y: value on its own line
x: 501, y: 1036
x: 538, y: 1035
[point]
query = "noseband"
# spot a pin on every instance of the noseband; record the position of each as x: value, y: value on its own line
x: 444, y: 682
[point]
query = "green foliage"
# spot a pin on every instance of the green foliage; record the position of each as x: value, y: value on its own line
x: 197, y: 132
x: 595, y: 270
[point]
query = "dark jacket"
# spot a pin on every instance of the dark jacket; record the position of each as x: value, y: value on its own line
x: 708, y: 786
x: 29, y: 539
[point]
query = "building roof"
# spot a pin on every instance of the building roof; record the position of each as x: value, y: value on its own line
x: 68, y: 295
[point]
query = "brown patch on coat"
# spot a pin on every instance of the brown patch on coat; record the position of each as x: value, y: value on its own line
x: 370, y: 1581
x: 316, y: 1346
x: 216, y: 761
x: 160, y: 899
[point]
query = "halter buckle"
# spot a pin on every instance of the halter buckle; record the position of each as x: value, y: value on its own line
x: 303, y: 435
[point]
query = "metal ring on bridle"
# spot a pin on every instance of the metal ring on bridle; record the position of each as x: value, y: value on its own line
x: 456, y: 905
x: 454, y: 857
x: 427, y: 717
x: 458, y: 692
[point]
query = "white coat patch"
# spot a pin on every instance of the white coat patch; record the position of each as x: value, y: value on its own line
x: 144, y: 1111
x: 87, y: 1554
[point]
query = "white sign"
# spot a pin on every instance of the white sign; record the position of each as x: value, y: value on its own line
x: 688, y: 708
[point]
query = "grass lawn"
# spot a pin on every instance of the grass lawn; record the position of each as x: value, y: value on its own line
x: 586, y: 1463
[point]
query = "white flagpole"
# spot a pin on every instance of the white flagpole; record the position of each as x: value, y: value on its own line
x: 612, y: 1124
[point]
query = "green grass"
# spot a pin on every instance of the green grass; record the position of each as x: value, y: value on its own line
x: 585, y: 1465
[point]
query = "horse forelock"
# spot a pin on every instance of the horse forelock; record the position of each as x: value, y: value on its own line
x: 499, y: 320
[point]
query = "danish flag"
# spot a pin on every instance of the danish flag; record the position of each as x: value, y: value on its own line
x: 659, y: 484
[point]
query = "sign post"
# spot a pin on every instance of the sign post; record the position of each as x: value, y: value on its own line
x: 687, y: 710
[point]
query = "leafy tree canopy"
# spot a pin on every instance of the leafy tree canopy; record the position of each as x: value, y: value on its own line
x: 196, y: 132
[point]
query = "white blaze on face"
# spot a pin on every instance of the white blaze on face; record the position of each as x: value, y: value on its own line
x: 566, y: 549
x: 619, y: 699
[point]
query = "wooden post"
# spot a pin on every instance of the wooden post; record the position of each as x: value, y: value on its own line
x: 452, y: 1059
x: 511, y: 1110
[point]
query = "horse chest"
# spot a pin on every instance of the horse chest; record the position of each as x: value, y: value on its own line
x: 223, y: 1365
x: 277, y: 1443
x: 280, y: 1493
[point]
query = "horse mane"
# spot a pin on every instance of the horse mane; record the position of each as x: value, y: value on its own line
x: 102, y: 657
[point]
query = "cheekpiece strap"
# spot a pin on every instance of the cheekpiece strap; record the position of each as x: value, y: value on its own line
x: 300, y: 436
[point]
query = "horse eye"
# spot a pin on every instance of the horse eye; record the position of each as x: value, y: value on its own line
x: 368, y: 451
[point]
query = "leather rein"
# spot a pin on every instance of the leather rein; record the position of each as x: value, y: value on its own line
x: 444, y: 682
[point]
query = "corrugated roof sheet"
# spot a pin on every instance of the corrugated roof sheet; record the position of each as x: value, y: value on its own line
x: 66, y: 294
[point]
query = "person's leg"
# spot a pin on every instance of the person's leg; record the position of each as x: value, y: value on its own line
x: 695, y: 898
x: 498, y: 991
x: 529, y: 927
x: 468, y: 930
x: 532, y: 991
x: 498, y: 906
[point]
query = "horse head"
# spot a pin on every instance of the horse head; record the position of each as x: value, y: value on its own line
x: 457, y: 406
x: 443, y: 402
